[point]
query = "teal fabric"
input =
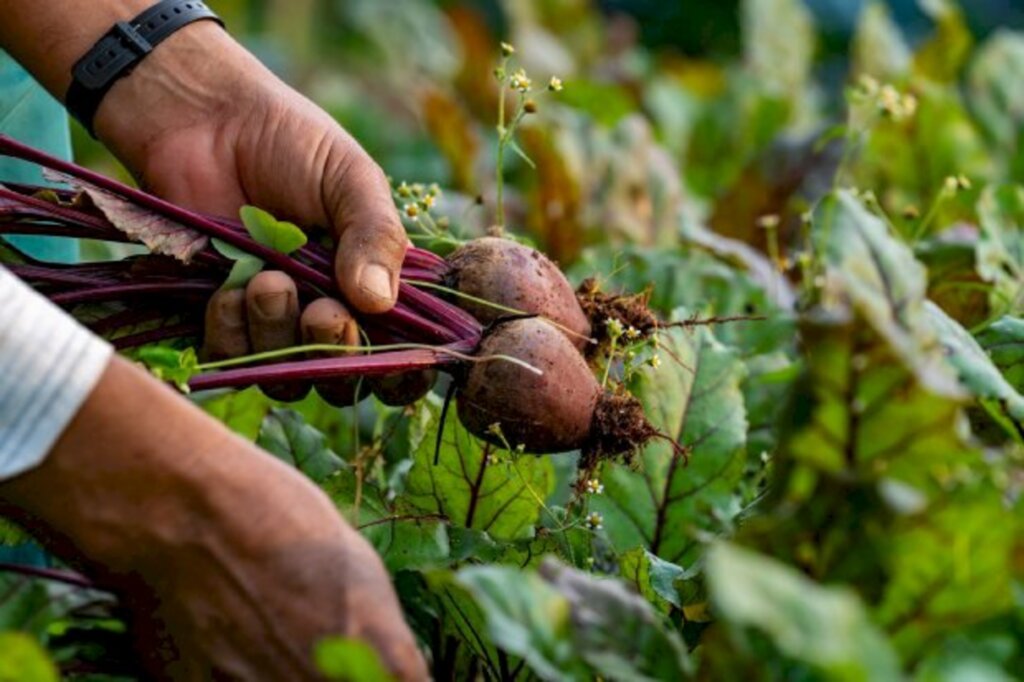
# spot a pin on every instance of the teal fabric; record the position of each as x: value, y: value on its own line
x: 29, y: 114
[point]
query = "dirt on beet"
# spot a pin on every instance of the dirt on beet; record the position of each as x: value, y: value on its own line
x: 618, y: 429
x: 629, y: 310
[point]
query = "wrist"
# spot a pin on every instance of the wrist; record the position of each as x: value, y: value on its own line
x: 195, y: 77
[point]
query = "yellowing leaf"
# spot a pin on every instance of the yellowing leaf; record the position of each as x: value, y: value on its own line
x: 159, y: 234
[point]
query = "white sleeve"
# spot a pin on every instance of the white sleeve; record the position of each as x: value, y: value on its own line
x: 48, y: 366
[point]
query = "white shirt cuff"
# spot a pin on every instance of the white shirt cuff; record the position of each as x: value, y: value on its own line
x: 49, y: 365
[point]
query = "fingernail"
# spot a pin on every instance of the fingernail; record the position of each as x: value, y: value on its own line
x: 272, y: 306
x: 376, y: 280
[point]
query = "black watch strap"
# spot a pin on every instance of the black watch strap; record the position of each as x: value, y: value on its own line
x: 122, y: 48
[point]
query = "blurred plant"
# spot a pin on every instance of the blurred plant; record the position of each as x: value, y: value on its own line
x: 519, y: 82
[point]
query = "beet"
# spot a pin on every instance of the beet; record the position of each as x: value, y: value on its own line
x: 515, y: 276
x: 564, y: 408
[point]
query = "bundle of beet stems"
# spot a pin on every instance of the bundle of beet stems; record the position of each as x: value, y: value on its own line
x: 513, y: 338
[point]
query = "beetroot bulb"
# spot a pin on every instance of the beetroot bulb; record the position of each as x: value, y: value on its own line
x: 562, y: 408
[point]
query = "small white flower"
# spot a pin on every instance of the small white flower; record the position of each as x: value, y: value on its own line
x: 595, y: 487
x: 868, y: 85
x: 655, y: 361
x: 614, y: 326
x: 632, y: 332
x: 555, y: 84
x: 895, y: 105
x: 507, y: 49
x: 594, y: 521
x: 520, y: 81
x: 951, y: 185
x: 412, y: 211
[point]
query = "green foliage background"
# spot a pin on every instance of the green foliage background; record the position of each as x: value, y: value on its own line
x: 851, y: 508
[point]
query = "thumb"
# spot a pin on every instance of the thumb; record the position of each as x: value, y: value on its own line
x: 371, y: 239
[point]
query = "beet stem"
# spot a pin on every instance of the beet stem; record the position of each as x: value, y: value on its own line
x: 209, y: 227
x: 324, y: 369
x: 54, y: 574
x: 453, y: 317
x: 117, y: 291
x: 177, y: 331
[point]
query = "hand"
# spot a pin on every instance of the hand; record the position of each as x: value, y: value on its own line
x: 202, y: 123
x: 231, y: 564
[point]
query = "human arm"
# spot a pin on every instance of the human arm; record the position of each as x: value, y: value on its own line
x: 231, y: 563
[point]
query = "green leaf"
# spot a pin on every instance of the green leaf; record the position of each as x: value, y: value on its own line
x: 616, y: 631
x: 943, y: 55
x: 11, y: 534
x: 563, y: 621
x: 826, y: 627
x: 273, y: 233
x: 525, y: 616
x: 869, y: 268
x: 875, y: 483
x: 23, y: 660
x: 1000, y: 250
x: 695, y: 396
x: 288, y: 437
x: 654, y: 578
x: 350, y: 660
x: 9, y: 254
x: 862, y: 412
x: 879, y: 49
x: 244, y: 268
x: 606, y: 103
x: 467, y: 486
x: 344, y: 428
x: 975, y: 369
x: 779, y: 44
x: 473, y: 544
x: 241, y: 411
x: 27, y: 606
x: 911, y: 159
x: 967, y: 668
x: 404, y: 538
x: 995, y: 98
x: 1003, y: 340
x: 948, y: 567
x: 521, y: 154
x: 461, y: 619
x: 170, y: 364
